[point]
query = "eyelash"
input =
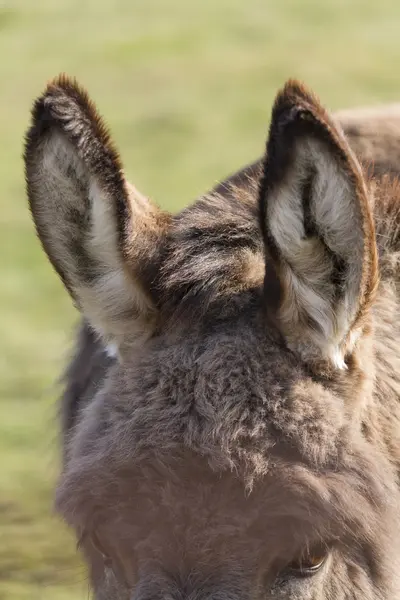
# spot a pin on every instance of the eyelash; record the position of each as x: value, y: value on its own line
x: 307, y: 564
x: 307, y: 571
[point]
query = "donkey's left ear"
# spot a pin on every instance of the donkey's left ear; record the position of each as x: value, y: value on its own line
x: 318, y: 229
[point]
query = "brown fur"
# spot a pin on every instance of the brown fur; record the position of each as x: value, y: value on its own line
x: 214, y: 451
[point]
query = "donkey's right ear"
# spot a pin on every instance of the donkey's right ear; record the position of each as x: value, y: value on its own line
x: 99, y: 233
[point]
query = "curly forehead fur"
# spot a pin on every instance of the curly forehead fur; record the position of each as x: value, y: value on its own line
x: 233, y: 402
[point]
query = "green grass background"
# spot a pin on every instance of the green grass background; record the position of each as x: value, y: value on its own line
x: 186, y: 87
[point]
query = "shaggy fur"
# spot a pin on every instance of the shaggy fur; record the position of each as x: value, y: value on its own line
x: 248, y: 426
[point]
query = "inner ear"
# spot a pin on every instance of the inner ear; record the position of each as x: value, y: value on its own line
x: 312, y: 227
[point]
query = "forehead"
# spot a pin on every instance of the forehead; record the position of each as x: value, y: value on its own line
x: 228, y: 391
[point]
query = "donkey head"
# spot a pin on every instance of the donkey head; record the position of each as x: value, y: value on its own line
x: 232, y: 450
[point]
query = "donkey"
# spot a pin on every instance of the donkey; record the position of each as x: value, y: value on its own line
x: 231, y: 417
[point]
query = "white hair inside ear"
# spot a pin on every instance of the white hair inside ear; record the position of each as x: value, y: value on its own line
x: 112, y: 350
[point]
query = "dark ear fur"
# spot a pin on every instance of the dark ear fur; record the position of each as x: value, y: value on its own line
x: 96, y: 229
x: 318, y: 228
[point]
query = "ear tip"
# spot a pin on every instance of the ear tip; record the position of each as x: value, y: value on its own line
x: 65, y: 82
x: 297, y: 111
x: 297, y: 92
x: 65, y: 105
x: 296, y: 100
x: 62, y: 101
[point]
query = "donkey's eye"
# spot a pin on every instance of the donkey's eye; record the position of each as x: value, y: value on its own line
x: 309, y: 562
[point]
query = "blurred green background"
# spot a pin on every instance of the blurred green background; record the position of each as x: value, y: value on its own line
x: 187, y: 88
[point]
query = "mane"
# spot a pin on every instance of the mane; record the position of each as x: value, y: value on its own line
x: 387, y: 222
x: 214, y: 254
